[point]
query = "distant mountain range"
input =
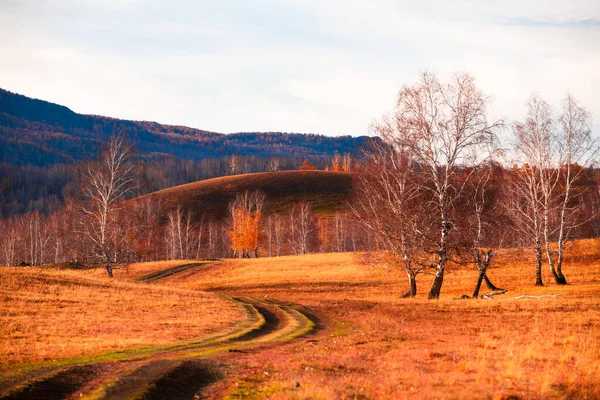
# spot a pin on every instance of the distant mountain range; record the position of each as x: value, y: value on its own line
x: 40, y: 133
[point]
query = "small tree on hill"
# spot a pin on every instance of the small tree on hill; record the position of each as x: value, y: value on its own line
x: 307, y: 166
x: 245, y: 231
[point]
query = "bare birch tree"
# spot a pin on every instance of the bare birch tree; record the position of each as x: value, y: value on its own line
x: 179, y: 234
x: 105, y: 184
x: 274, y: 164
x: 482, y: 209
x: 234, y: 165
x: 340, y: 231
x: 301, y: 227
x: 278, y: 231
x: 9, y: 242
x: 213, y: 232
x: 538, y: 146
x: 387, y: 204
x: 579, y: 151
x: 200, y: 230
x: 554, y: 159
x: 436, y: 124
x: 274, y: 231
x: 37, y: 237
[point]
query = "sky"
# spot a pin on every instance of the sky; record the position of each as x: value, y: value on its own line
x: 312, y: 66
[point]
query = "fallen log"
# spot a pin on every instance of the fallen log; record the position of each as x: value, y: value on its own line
x: 491, y: 295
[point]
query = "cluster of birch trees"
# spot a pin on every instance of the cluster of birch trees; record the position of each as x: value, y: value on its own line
x: 435, y: 193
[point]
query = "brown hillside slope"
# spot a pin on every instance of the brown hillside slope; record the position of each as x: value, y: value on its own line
x: 326, y: 191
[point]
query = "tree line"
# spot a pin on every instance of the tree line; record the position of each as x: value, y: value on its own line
x: 437, y: 191
x: 29, y: 188
x: 78, y: 236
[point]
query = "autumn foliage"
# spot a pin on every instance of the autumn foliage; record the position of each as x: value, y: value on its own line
x: 307, y: 166
x: 245, y: 233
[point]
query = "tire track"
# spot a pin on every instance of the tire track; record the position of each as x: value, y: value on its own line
x: 282, y: 323
x: 165, y: 273
x: 56, y: 386
x: 48, y: 375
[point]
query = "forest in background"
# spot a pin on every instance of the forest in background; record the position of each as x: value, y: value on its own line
x: 41, y: 141
x: 27, y: 188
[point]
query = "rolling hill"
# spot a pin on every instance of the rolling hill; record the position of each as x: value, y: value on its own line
x: 326, y: 191
x: 37, y: 132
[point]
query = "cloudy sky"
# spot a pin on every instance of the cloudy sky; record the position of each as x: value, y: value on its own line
x: 323, y: 66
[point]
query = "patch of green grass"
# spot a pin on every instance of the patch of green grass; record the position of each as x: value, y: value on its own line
x: 249, y: 388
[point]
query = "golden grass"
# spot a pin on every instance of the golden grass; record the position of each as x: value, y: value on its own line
x: 374, y: 344
x: 48, y: 314
x: 381, y: 346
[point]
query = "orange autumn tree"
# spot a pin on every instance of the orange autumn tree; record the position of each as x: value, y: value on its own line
x: 245, y: 233
x: 307, y: 166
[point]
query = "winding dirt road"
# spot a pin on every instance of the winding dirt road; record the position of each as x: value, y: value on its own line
x: 177, y: 371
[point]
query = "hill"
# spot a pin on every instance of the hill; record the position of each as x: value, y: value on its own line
x: 41, y: 133
x: 326, y: 191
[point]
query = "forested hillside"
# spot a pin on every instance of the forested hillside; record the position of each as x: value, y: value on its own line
x: 41, y: 145
x: 41, y: 133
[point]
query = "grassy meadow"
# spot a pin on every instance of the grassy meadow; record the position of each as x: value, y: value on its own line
x: 54, y: 314
x: 380, y: 346
x: 370, y: 342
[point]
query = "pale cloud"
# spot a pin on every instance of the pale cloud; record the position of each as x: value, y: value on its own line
x: 327, y: 66
x: 89, y: 5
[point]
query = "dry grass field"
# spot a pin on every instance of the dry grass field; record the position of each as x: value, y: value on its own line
x: 370, y: 342
x: 46, y: 315
x: 376, y: 345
